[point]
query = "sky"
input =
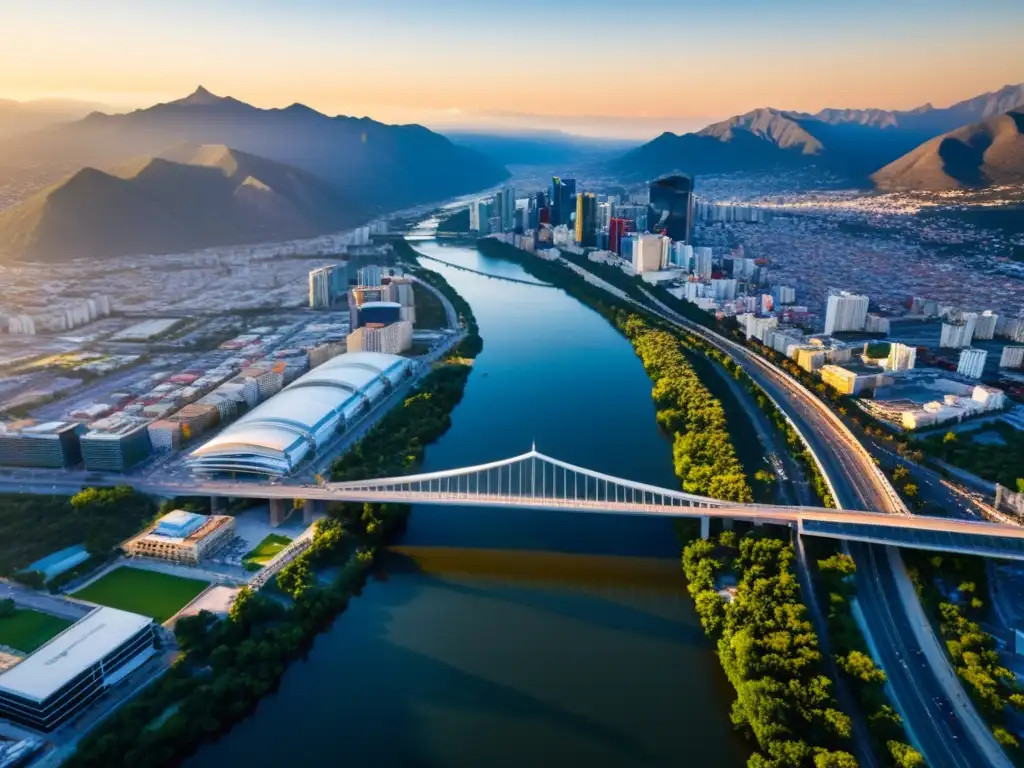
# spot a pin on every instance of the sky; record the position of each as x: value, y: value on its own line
x: 621, y: 68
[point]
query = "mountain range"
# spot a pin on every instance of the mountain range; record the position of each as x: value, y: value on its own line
x: 851, y: 142
x: 986, y: 153
x: 188, y: 197
x: 387, y: 166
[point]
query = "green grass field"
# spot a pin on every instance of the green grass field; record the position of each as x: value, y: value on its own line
x: 26, y: 630
x: 149, y: 593
x: 263, y: 552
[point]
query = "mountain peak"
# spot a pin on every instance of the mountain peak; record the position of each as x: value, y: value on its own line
x: 200, y: 96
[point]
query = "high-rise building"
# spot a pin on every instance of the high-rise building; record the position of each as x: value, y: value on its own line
x: 784, y: 294
x: 647, y: 251
x: 681, y: 256
x: 1012, y: 357
x: 972, y: 363
x: 985, y: 326
x: 671, y: 207
x: 956, y: 335
x: 326, y: 284
x: 505, y: 207
x: 901, y: 357
x: 604, y: 216
x: 479, y: 216
x: 702, y: 262
x: 370, y: 275
x: 617, y: 228
x: 562, y: 193
x: 845, y: 312
x: 586, y: 219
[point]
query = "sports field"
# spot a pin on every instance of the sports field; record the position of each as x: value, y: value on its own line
x: 159, y: 595
x: 26, y: 630
x: 264, y: 552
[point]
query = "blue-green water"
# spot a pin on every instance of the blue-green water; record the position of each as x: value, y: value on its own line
x: 516, y: 638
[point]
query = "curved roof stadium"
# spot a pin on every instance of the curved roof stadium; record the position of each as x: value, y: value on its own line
x: 278, y: 434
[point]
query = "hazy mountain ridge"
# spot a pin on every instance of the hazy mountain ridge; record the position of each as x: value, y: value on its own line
x: 388, y: 166
x: 852, y: 142
x: 190, y: 197
x: 18, y: 117
x: 986, y: 153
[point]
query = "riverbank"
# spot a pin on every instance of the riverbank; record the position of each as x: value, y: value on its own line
x: 228, y: 665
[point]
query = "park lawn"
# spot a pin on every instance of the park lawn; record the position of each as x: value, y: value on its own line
x: 26, y: 630
x: 264, y: 552
x: 158, y: 595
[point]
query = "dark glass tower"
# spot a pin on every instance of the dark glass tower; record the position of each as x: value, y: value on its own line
x: 586, y: 220
x: 671, y: 208
x: 562, y: 193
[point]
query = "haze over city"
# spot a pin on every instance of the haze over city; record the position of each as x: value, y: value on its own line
x: 595, y: 68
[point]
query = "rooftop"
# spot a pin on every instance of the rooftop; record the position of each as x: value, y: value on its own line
x: 71, y: 652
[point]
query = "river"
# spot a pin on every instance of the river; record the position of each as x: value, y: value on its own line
x: 511, y: 638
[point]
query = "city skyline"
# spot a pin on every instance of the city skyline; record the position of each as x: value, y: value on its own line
x: 453, y: 65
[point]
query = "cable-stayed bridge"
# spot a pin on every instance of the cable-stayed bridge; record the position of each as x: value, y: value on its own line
x: 533, y: 480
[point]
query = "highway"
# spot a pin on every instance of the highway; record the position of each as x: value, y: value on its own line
x: 857, y: 483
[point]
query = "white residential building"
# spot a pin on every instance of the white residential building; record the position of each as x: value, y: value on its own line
x: 702, y: 263
x: 902, y: 357
x: 876, y: 323
x: 972, y: 363
x: 845, y: 311
x: 985, y: 326
x: 956, y: 336
x: 1012, y: 357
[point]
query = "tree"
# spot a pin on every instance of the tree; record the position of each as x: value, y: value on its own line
x: 905, y: 756
x: 949, y: 437
x: 910, y: 489
x: 900, y: 473
x: 825, y: 759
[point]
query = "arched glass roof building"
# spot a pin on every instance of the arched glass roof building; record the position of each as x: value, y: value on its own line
x: 278, y: 434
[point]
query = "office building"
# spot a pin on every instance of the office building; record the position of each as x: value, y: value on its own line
x: 67, y: 673
x: 1012, y: 357
x: 586, y: 220
x: 52, y: 444
x: 635, y: 214
x: 972, y: 363
x: 702, y: 263
x: 617, y: 229
x: 562, y: 193
x: 181, y: 537
x: 902, y: 357
x: 849, y: 380
x: 116, y: 445
x: 670, y: 211
x: 647, y: 250
x: 391, y: 339
x: 845, y: 312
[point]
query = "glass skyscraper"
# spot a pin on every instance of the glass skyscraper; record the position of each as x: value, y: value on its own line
x: 670, y: 211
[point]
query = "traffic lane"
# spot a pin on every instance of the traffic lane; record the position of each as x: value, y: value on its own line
x: 921, y: 696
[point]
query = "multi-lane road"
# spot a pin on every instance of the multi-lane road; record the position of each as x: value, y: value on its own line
x: 944, y: 728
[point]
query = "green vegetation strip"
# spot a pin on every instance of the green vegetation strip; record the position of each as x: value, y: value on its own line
x: 158, y: 595
x: 25, y: 630
x: 769, y: 651
x: 229, y: 665
x: 265, y: 551
x: 885, y: 726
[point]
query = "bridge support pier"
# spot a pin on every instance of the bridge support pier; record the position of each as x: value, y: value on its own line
x: 279, y: 511
x: 218, y: 505
x: 705, y: 527
x: 309, y: 509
